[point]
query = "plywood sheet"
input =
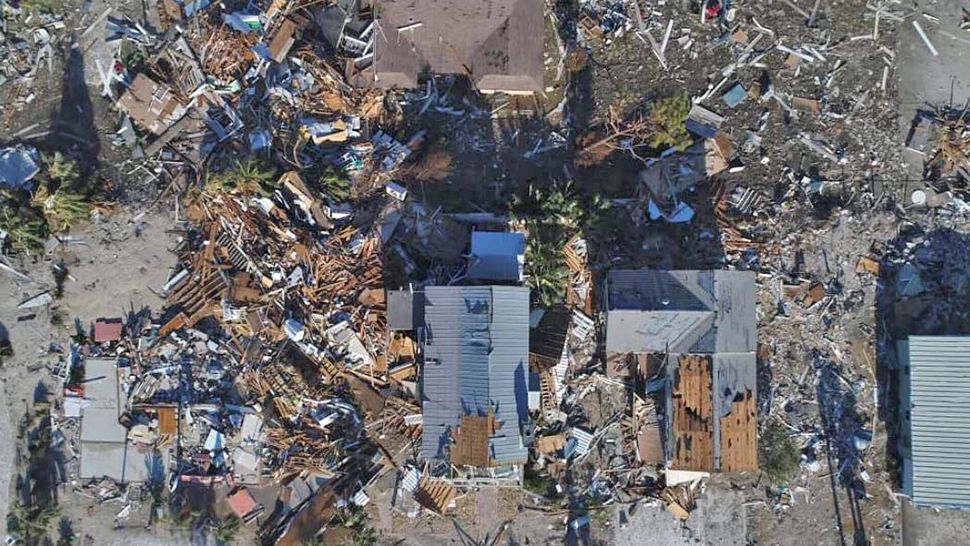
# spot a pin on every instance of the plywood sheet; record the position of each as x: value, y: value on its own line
x: 471, y: 440
x: 739, y: 436
x: 167, y: 423
x: 693, y: 415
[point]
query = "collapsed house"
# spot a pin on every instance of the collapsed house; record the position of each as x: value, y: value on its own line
x: 498, y: 45
x: 474, y: 387
x: 151, y: 104
x: 665, y: 180
x: 690, y: 335
x: 934, y: 443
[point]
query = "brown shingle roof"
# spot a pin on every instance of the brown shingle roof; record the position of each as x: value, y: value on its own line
x: 498, y: 43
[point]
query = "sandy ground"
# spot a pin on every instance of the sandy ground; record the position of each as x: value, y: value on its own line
x: 719, y: 519
x: 115, y: 263
x: 929, y: 527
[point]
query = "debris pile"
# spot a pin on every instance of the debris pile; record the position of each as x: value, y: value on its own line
x: 28, y: 41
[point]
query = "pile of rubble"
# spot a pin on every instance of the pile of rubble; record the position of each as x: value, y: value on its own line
x: 28, y: 41
x: 275, y: 358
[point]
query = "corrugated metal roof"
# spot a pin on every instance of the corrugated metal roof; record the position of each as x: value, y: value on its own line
x: 686, y: 311
x: 939, y: 375
x: 476, y: 358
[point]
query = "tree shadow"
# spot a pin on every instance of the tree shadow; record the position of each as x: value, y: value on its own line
x: 923, y: 288
x: 842, y: 427
x: 6, y: 346
x: 65, y: 531
x: 41, y: 392
x: 72, y: 123
x: 191, y: 508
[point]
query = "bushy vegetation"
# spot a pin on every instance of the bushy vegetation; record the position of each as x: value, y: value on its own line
x: 669, y: 118
x: 779, y: 456
x: 57, y: 203
x: 554, y: 214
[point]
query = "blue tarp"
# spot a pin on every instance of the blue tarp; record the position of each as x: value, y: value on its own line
x: 18, y: 165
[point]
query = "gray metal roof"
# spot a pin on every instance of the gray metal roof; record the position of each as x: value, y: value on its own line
x: 401, y: 309
x: 939, y: 376
x: 476, y: 344
x: 686, y: 311
x: 497, y: 256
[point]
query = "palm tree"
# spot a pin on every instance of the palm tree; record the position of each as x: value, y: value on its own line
x: 60, y: 207
x: 24, y: 234
x: 545, y: 266
x: 249, y: 177
x: 30, y: 524
x: 226, y: 529
x: 336, y: 184
x: 560, y: 204
x: 62, y: 170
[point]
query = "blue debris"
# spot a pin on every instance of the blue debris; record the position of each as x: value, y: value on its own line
x: 735, y: 96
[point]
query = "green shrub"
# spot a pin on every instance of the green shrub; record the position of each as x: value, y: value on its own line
x: 779, y: 456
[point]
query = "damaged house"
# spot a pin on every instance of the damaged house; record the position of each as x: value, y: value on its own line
x: 692, y: 336
x: 665, y: 180
x: 151, y: 105
x: 474, y: 388
x: 106, y: 451
x: 498, y: 44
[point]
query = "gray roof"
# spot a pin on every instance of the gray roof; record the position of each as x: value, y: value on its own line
x: 939, y: 376
x: 497, y: 256
x: 476, y: 344
x: 402, y: 309
x: 105, y: 451
x: 687, y: 311
x: 118, y: 461
x: 99, y: 420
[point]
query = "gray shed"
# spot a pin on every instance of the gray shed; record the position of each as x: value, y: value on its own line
x: 935, y: 417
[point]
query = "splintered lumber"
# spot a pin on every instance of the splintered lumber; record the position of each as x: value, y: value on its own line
x: 679, y: 500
